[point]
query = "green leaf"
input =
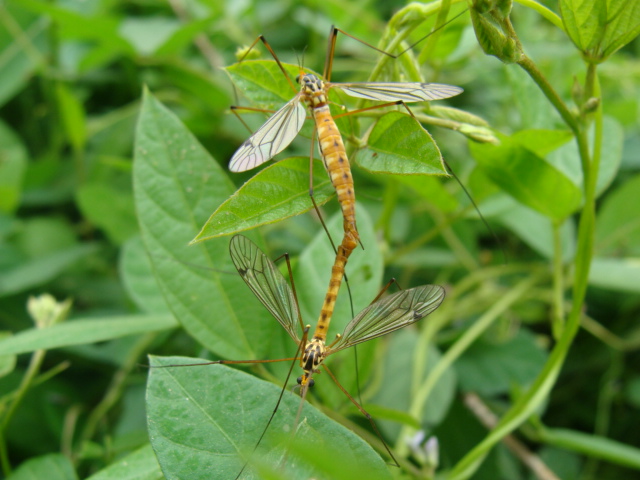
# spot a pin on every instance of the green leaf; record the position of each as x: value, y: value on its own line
x: 398, y: 144
x: 196, y: 429
x: 81, y: 332
x: 54, y: 466
x: 262, y: 82
x: 600, y: 27
x: 73, y: 118
x: 13, y: 163
x: 137, y: 276
x: 109, y: 208
x: 139, y: 465
x: 542, y: 141
x: 42, y: 269
x: 491, y: 367
x: 618, y: 226
x: 616, y: 274
x: 527, y: 177
x: 277, y: 192
x: 176, y: 186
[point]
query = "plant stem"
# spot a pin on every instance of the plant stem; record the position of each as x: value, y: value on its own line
x: 557, y: 318
x: 34, y: 367
x: 527, y: 64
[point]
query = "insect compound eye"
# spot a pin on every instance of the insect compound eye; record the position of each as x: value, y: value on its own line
x: 299, y: 380
x: 311, y: 382
x: 298, y: 78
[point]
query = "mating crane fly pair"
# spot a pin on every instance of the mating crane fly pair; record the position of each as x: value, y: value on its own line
x: 284, y: 125
x: 260, y: 274
x: 382, y: 316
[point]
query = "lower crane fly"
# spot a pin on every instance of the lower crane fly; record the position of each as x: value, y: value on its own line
x: 381, y: 317
x: 285, y: 124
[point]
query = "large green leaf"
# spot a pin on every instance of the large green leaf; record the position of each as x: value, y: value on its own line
x: 138, y: 279
x: 176, y: 186
x: 398, y: 144
x: 277, y: 192
x: 600, y: 27
x: 204, y: 421
x: 527, y: 177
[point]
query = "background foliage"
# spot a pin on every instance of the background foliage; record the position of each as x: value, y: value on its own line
x: 500, y: 374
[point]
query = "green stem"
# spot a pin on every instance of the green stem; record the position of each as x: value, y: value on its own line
x: 527, y: 404
x: 557, y: 318
x: 543, y: 11
x: 527, y: 64
x: 29, y: 376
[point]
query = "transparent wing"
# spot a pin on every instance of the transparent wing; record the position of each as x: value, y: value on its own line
x: 391, y: 313
x: 405, y: 91
x: 266, y: 282
x: 271, y: 138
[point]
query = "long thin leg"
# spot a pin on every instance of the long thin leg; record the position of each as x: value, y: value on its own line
x: 363, y: 411
x: 333, y: 34
x: 301, y: 347
x: 227, y: 362
x: 273, y: 54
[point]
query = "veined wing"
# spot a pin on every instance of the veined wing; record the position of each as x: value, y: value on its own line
x: 391, y: 313
x: 266, y: 282
x: 404, y: 91
x: 271, y: 138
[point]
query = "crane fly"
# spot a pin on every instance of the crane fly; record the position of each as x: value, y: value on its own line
x: 381, y: 317
x: 285, y: 124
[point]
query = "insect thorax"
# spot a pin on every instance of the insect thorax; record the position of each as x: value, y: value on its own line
x: 312, y: 89
x: 313, y: 356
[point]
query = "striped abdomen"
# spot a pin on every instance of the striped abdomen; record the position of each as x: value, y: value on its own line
x: 336, y: 162
x: 337, y: 272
